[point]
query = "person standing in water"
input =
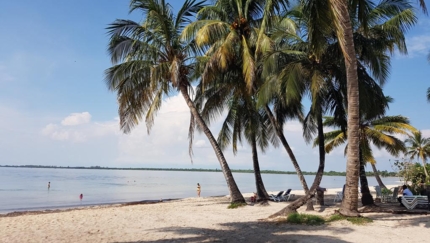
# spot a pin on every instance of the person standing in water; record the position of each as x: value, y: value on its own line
x: 49, y: 185
x: 199, y: 189
x: 81, y: 196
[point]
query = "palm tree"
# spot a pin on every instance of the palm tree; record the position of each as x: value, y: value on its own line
x: 377, y: 131
x: 243, y: 119
x: 235, y: 34
x: 419, y: 147
x: 150, y: 61
x: 344, y: 32
x: 322, y: 69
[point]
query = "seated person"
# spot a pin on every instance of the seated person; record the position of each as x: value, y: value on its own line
x: 254, y: 198
x: 405, y: 192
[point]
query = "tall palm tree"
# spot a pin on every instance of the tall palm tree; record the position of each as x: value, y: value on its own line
x: 322, y: 69
x: 378, y: 131
x: 235, y: 34
x: 344, y: 32
x: 150, y: 61
x: 419, y: 147
x: 243, y: 119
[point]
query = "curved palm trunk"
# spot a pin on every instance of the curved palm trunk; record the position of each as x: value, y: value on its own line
x: 377, y: 177
x: 235, y: 194
x: 318, y: 177
x: 366, y: 197
x: 287, y: 147
x: 261, y: 190
x: 349, y: 206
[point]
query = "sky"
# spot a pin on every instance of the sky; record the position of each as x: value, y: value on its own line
x: 55, y: 108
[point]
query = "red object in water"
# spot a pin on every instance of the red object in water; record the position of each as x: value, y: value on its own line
x: 81, y: 196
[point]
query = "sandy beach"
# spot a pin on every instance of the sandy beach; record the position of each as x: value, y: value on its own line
x: 206, y: 219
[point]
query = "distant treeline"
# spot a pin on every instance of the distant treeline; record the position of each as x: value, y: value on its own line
x: 329, y: 173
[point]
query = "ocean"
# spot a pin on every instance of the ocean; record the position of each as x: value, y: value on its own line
x: 26, y: 189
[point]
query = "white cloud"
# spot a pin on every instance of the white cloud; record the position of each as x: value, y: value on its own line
x: 426, y: 133
x: 69, y: 131
x: 75, y: 119
x: 293, y: 126
x: 200, y: 143
x: 418, y: 45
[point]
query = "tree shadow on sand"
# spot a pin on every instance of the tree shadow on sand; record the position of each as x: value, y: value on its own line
x: 403, y: 220
x: 251, y: 232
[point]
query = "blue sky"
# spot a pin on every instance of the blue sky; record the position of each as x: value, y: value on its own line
x: 56, y: 110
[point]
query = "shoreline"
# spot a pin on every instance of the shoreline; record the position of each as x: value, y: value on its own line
x: 207, y: 219
x: 59, y: 209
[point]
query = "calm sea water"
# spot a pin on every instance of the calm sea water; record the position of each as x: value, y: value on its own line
x: 26, y: 188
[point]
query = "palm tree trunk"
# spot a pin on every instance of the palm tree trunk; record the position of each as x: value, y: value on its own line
x: 287, y: 147
x: 425, y: 168
x: 366, y: 197
x: 236, y: 196
x: 349, y: 206
x: 318, y: 177
x: 377, y: 177
x: 261, y: 190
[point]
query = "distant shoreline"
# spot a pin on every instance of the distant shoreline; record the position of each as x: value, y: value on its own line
x: 328, y: 173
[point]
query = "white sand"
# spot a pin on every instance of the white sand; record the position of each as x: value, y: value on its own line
x: 206, y: 220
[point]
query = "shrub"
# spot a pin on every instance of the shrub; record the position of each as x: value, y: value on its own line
x: 236, y: 205
x: 308, y: 219
x: 353, y: 220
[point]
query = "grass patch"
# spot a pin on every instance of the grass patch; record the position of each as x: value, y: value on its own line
x: 335, y: 217
x: 353, y: 220
x: 236, y: 205
x: 359, y: 220
x: 307, y: 219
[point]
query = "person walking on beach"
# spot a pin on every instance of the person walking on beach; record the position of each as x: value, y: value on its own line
x: 49, y: 185
x: 199, y: 189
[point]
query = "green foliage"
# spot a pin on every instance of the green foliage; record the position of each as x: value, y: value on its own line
x: 386, y: 191
x: 413, y: 174
x: 359, y: 220
x: 236, y: 205
x: 335, y: 217
x: 307, y: 219
x: 353, y: 220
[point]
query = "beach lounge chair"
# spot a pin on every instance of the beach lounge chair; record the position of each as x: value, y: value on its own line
x: 378, y: 192
x: 276, y: 198
x: 339, y: 195
x: 393, y: 197
x: 287, y: 195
